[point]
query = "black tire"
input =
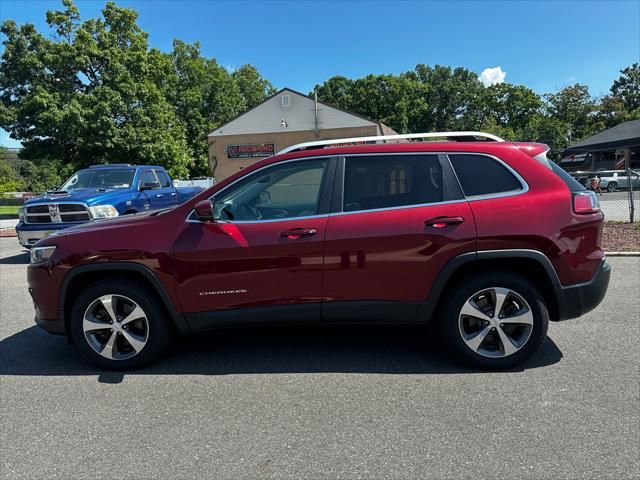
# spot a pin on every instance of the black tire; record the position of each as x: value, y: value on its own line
x: 450, y: 330
x: 158, y: 326
x: 612, y: 187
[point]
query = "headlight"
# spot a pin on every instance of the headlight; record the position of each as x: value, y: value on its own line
x: 103, y: 211
x: 41, y: 254
x: 21, y: 214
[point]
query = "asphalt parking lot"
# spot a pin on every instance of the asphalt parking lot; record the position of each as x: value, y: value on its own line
x: 322, y: 402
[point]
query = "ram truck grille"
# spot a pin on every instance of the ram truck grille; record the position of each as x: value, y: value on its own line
x: 57, y: 213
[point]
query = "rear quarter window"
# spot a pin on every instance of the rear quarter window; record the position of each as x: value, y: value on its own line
x: 482, y: 175
x: 572, y: 183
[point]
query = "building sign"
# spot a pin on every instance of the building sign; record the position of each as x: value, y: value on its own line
x: 251, y: 151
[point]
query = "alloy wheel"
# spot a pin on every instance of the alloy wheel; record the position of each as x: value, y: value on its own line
x: 495, y: 322
x: 115, y: 327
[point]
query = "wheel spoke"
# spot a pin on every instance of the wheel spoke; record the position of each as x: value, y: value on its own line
x: 109, y: 349
x: 507, y: 344
x: 109, y: 304
x: 524, y: 318
x: 470, y: 310
x: 500, y: 295
x: 475, y: 341
x: 136, y: 343
x: 91, y: 324
x: 135, y: 314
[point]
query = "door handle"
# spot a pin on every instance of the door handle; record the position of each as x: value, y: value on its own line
x: 296, y: 233
x: 441, y: 222
x: 159, y: 195
x: 173, y: 194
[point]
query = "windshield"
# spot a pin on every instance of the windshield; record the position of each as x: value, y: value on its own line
x: 100, y: 178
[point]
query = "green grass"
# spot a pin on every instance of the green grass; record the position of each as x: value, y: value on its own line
x: 9, y: 210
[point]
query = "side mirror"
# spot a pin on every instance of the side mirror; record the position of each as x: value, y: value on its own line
x: 204, y: 210
x: 149, y: 186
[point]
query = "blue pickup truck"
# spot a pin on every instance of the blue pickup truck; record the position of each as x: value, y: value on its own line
x: 100, y: 191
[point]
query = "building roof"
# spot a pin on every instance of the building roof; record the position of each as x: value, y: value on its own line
x: 339, y: 117
x: 625, y: 134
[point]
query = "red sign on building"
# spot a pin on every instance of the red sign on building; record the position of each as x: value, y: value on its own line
x: 251, y: 151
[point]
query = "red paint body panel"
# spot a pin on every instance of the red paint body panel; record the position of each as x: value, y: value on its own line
x: 392, y: 254
x: 253, y: 260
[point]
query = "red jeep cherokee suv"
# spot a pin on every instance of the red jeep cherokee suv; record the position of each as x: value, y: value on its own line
x: 487, y: 238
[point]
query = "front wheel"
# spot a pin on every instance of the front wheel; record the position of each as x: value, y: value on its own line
x: 118, y: 324
x: 612, y: 187
x: 495, y: 321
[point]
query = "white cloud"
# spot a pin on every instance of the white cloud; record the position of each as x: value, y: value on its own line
x: 491, y: 76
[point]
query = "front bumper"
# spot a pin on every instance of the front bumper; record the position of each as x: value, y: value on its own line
x: 30, y: 233
x: 55, y: 327
x: 576, y: 300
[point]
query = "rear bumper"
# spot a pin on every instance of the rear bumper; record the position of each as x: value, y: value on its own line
x: 576, y: 300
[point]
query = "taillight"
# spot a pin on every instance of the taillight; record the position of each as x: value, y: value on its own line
x: 585, y: 202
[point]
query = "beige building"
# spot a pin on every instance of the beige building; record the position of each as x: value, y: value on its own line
x: 282, y: 120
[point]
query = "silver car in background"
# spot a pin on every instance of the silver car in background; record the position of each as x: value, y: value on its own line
x: 613, y: 180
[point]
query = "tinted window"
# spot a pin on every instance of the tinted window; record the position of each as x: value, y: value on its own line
x: 283, y: 191
x: 164, y: 179
x: 100, y: 178
x: 481, y: 175
x: 571, y: 182
x: 391, y: 181
x: 148, y: 178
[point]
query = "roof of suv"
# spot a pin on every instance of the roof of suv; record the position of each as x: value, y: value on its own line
x: 478, y: 147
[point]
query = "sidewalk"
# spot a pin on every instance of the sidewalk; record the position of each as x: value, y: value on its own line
x: 9, y: 223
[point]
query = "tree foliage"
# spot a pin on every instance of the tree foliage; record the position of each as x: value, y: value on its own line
x: 443, y: 99
x: 92, y: 91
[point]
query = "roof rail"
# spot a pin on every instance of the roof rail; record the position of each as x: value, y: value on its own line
x: 103, y: 165
x: 377, y: 138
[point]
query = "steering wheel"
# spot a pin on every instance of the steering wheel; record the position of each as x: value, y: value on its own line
x: 246, y: 212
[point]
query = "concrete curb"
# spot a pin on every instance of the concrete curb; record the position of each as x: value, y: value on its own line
x: 622, y: 254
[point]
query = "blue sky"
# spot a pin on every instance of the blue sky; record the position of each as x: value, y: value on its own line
x: 544, y: 45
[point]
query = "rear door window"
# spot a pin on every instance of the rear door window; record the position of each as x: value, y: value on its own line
x: 483, y: 175
x: 163, y: 178
x: 148, y: 178
x: 388, y: 181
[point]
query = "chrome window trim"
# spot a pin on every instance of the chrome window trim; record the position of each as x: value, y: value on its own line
x: 270, y: 220
x: 510, y: 193
x: 301, y: 159
x: 400, y: 207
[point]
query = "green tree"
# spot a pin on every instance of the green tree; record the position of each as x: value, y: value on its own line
x: 10, y: 180
x: 336, y: 91
x: 574, y: 106
x: 610, y: 112
x: 449, y: 98
x: 89, y: 94
x: 627, y: 88
x: 509, y: 106
x: 253, y: 88
x: 204, y: 96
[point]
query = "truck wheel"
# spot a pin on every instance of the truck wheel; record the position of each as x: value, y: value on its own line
x: 117, y: 324
x: 612, y: 187
x: 496, y: 321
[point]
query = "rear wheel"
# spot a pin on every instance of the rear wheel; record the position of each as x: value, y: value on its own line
x: 612, y: 187
x: 495, y: 321
x: 118, y: 324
